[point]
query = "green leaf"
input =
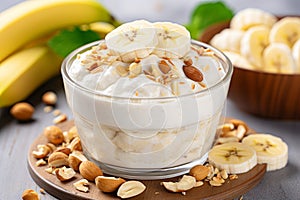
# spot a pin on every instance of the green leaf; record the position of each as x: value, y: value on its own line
x: 68, y: 40
x: 207, y: 14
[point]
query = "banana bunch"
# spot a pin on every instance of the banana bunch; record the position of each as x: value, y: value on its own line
x: 257, y: 40
x: 25, y: 60
x: 240, y: 151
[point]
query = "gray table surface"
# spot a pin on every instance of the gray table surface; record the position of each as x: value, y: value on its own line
x: 16, y: 138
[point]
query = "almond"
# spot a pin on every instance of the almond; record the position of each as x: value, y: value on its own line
x: 164, y: 67
x: 58, y: 159
x: 89, y: 170
x: 130, y: 189
x: 200, y: 172
x: 186, y: 183
x: 30, y: 194
x: 22, y: 111
x: 49, y: 98
x: 75, y: 159
x: 42, y: 152
x: 193, y: 73
x: 65, y: 174
x: 54, y: 134
x: 108, y: 184
x: 82, y: 185
x: 188, y: 61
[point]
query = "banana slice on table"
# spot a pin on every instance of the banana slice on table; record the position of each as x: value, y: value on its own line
x: 255, y: 40
x: 249, y: 17
x: 234, y: 157
x: 228, y: 39
x: 174, y: 40
x: 287, y: 31
x: 278, y: 58
x: 238, y: 60
x: 296, y: 55
x: 132, y: 40
x: 269, y: 149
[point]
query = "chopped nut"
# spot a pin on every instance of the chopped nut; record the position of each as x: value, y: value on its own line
x: 49, y: 98
x: 241, y: 131
x: 30, y: 194
x: 232, y: 133
x: 134, y: 69
x: 54, y: 134
x: 64, y: 150
x: 130, y: 189
x: 199, y: 183
x: 214, y: 183
x: 218, y: 179
x: 108, y: 184
x: 174, y: 87
x: 233, y: 176
x: 164, y: 67
x: 42, y: 152
x: 237, y: 122
x: 82, y: 185
x: 22, y: 111
x: 49, y: 170
x: 89, y: 170
x: 200, y: 172
x: 56, y: 112
x: 188, y: 62
x: 60, y: 118
x: 42, y: 191
x: 51, y: 146
x: 75, y: 144
x: 58, y: 159
x: 48, y: 109
x: 226, y: 127
x: 75, y: 159
x: 40, y: 162
x: 185, y: 183
x: 65, y: 174
x: 222, y: 140
x: 224, y: 174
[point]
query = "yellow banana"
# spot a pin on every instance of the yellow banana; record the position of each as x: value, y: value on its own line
x: 32, y: 19
x: 24, y: 71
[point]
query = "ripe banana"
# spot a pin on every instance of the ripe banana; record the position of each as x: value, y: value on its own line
x: 269, y: 149
x: 286, y: 31
x: 174, y: 40
x: 30, y: 20
x: 228, y: 40
x: 24, y: 71
x: 247, y: 18
x: 278, y: 58
x: 132, y: 40
x: 255, y: 40
x: 296, y: 54
x: 234, y: 157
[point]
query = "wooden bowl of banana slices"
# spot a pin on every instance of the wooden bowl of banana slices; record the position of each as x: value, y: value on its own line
x: 265, y: 51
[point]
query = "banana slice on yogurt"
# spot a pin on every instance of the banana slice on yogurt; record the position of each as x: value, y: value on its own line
x: 269, y: 149
x: 174, y: 40
x: 234, y: 157
x: 132, y: 40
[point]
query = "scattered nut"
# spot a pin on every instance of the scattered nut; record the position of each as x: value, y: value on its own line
x: 64, y: 173
x: 227, y: 127
x: 224, y: 174
x: 193, y: 73
x: 54, y: 134
x: 108, y: 184
x: 60, y: 118
x: 200, y: 172
x: 75, y: 159
x: 164, y: 67
x: 130, y: 189
x: 51, y: 146
x: 30, y: 194
x: 64, y: 150
x: 237, y: 122
x: 233, y: 176
x: 82, y: 185
x: 48, y: 109
x: 42, y: 152
x: 49, y: 98
x: 75, y: 144
x: 188, y: 61
x: 58, y: 159
x: 199, y: 183
x: 42, y: 191
x: 241, y: 131
x: 89, y: 170
x: 134, y: 69
x: 22, y: 111
x: 215, y: 183
x: 56, y: 112
x: 40, y: 162
x: 185, y: 183
x: 50, y: 170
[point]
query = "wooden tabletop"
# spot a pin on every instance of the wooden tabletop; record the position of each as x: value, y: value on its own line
x: 16, y: 138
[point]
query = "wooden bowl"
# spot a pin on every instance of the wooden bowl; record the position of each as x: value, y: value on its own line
x: 269, y: 95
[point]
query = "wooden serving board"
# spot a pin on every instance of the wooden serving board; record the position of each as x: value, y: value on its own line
x: 154, y: 190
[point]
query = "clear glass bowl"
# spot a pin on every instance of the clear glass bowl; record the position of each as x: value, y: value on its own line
x: 147, y: 138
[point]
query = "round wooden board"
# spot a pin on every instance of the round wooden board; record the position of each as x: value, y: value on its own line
x: 154, y: 191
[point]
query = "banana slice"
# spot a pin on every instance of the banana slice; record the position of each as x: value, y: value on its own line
x: 132, y: 40
x: 278, y: 58
x: 174, y: 40
x: 247, y: 18
x: 234, y: 157
x: 228, y: 40
x: 269, y: 149
x: 238, y: 60
x: 255, y: 40
x: 296, y: 55
x: 287, y: 31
